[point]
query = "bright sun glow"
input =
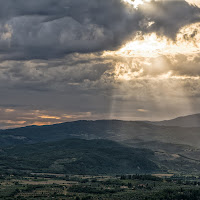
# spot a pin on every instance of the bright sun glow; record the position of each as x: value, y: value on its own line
x: 194, y: 2
x: 150, y: 45
x: 136, y: 3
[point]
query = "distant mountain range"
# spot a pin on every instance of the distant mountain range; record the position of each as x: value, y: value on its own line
x: 172, y: 131
x: 185, y: 121
x: 104, y: 146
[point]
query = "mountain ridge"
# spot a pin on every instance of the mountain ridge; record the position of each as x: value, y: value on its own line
x: 168, y: 122
x: 115, y: 130
x: 183, y: 121
x: 172, y: 145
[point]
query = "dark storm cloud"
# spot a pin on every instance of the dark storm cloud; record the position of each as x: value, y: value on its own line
x: 170, y: 16
x: 53, y: 28
x: 72, y: 74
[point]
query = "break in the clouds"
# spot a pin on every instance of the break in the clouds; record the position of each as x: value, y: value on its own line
x: 51, y: 28
x: 64, y: 60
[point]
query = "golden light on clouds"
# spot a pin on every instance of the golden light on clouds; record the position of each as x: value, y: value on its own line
x: 13, y: 118
x: 125, y: 72
x: 13, y: 122
x: 80, y: 115
x: 143, y: 57
x: 9, y: 110
x: 49, y: 117
x: 194, y: 2
x: 136, y: 3
x: 151, y: 45
x: 42, y: 123
x: 142, y: 110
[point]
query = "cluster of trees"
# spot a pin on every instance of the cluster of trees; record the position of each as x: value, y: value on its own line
x: 92, y: 190
x: 176, y: 194
x: 84, y: 198
x: 140, y: 177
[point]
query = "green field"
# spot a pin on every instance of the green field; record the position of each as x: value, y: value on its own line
x: 76, y: 187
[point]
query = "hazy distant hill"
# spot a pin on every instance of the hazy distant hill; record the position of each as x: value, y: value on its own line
x: 185, y: 121
x: 75, y: 156
x: 173, y: 157
x: 83, y: 147
x: 103, y: 129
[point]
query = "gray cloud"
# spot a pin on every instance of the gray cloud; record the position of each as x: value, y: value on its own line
x: 16, y: 116
x: 73, y: 74
x: 91, y: 73
x: 51, y: 29
x: 52, y: 63
x: 170, y: 16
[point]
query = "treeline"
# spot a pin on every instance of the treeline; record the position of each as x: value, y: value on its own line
x: 92, y: 190
x: 176, y: 194
x: 140, y: 177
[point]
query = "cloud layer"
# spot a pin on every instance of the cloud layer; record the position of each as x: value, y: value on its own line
x: 56, y: 63
x: 51, y: 29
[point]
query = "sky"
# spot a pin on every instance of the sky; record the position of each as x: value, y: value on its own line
x: 67, y: 60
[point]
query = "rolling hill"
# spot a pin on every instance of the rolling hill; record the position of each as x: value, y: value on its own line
x: 102, y: 129
x: 76, y: 156
x: 103, y: 147
x: 185, y: 121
